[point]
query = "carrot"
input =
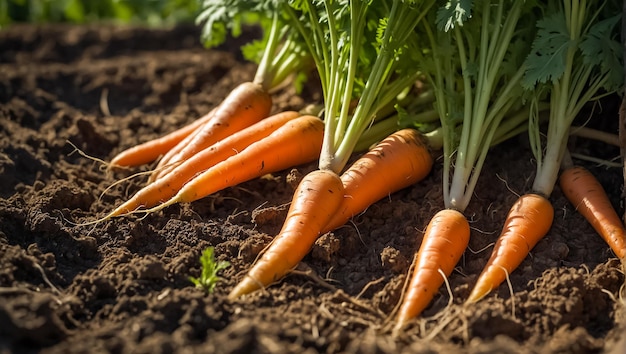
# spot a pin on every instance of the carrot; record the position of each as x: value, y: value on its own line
x: 315, y: 201
x: 167, y: 186
x: 584, y: 191
x: 528, y: 221
x: 298, y: 141
x: 247, y: 104
x: 151, y: 150
x: 398, y: 161
x: 444, y: 242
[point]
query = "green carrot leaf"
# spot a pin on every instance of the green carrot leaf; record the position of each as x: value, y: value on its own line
x: 221, y: 17
x: 599, y: 48
x: 547, y: 59
x: 453, y: 14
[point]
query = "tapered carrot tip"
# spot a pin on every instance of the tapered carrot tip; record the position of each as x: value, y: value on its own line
x: 121, y: 210
x: 315, y: 201
x: 529, y: 220
x: 444, y: 242
x: 482, y: 288
x: 247, y: 285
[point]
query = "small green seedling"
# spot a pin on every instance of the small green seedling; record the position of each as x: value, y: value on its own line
x: 209, y: 278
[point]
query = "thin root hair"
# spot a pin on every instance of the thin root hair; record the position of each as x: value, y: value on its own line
x: 358, y: 233
x: 611, y: 295
x: 511, y: 291
x: 104, y: 102
x: 103, y: 163
x: 459, y: 269
x: 138, y: 174
x: 388, y: 322
x: 368, y: 285
x: 446, y: 315
x: 482, y: 249
x: 235, y: 214
x: 506, y: 185
x: 304, y: 269
x: 483, y: 232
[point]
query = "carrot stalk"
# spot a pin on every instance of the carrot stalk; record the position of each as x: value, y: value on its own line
x: 247, y: 104
x: 444, y: 242
x: 168, y: 185
x: 315, y: 201
x: 153, y: 149
x: 528, y: 221
x: 297, y: 142
x: 584, y: 191
x: 398, y: 161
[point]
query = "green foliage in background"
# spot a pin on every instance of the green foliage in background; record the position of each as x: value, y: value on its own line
x: 150, y: 12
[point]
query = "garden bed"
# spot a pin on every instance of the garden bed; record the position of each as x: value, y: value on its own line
x: 122, y: 285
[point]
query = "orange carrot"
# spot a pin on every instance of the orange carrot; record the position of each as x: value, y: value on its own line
x: 528, y: 221
x: 245, y: 105
x: 584, y: 191
x: 398, y: 161
x: 151, y: 150
x: 296, y: 142
x: 444, y: 242
x: 315, y: 201
x: 168, y: 185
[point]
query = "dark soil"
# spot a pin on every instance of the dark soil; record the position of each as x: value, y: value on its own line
x: 122, y: 286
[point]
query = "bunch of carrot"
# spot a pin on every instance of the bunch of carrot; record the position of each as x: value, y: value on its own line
x: 485, y: 49
x: 492, y: 51
x: 276, y: 143
x: 569, y: 87
x: 491, y: 112
x: 572, y: 77
x: 477, y: 59
x: 325, y: 199
x: 236, y: 141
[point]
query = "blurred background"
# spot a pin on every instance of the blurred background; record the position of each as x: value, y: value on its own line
x: 147, y: 12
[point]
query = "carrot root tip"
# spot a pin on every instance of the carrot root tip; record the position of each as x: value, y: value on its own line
x: 246, y: 286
